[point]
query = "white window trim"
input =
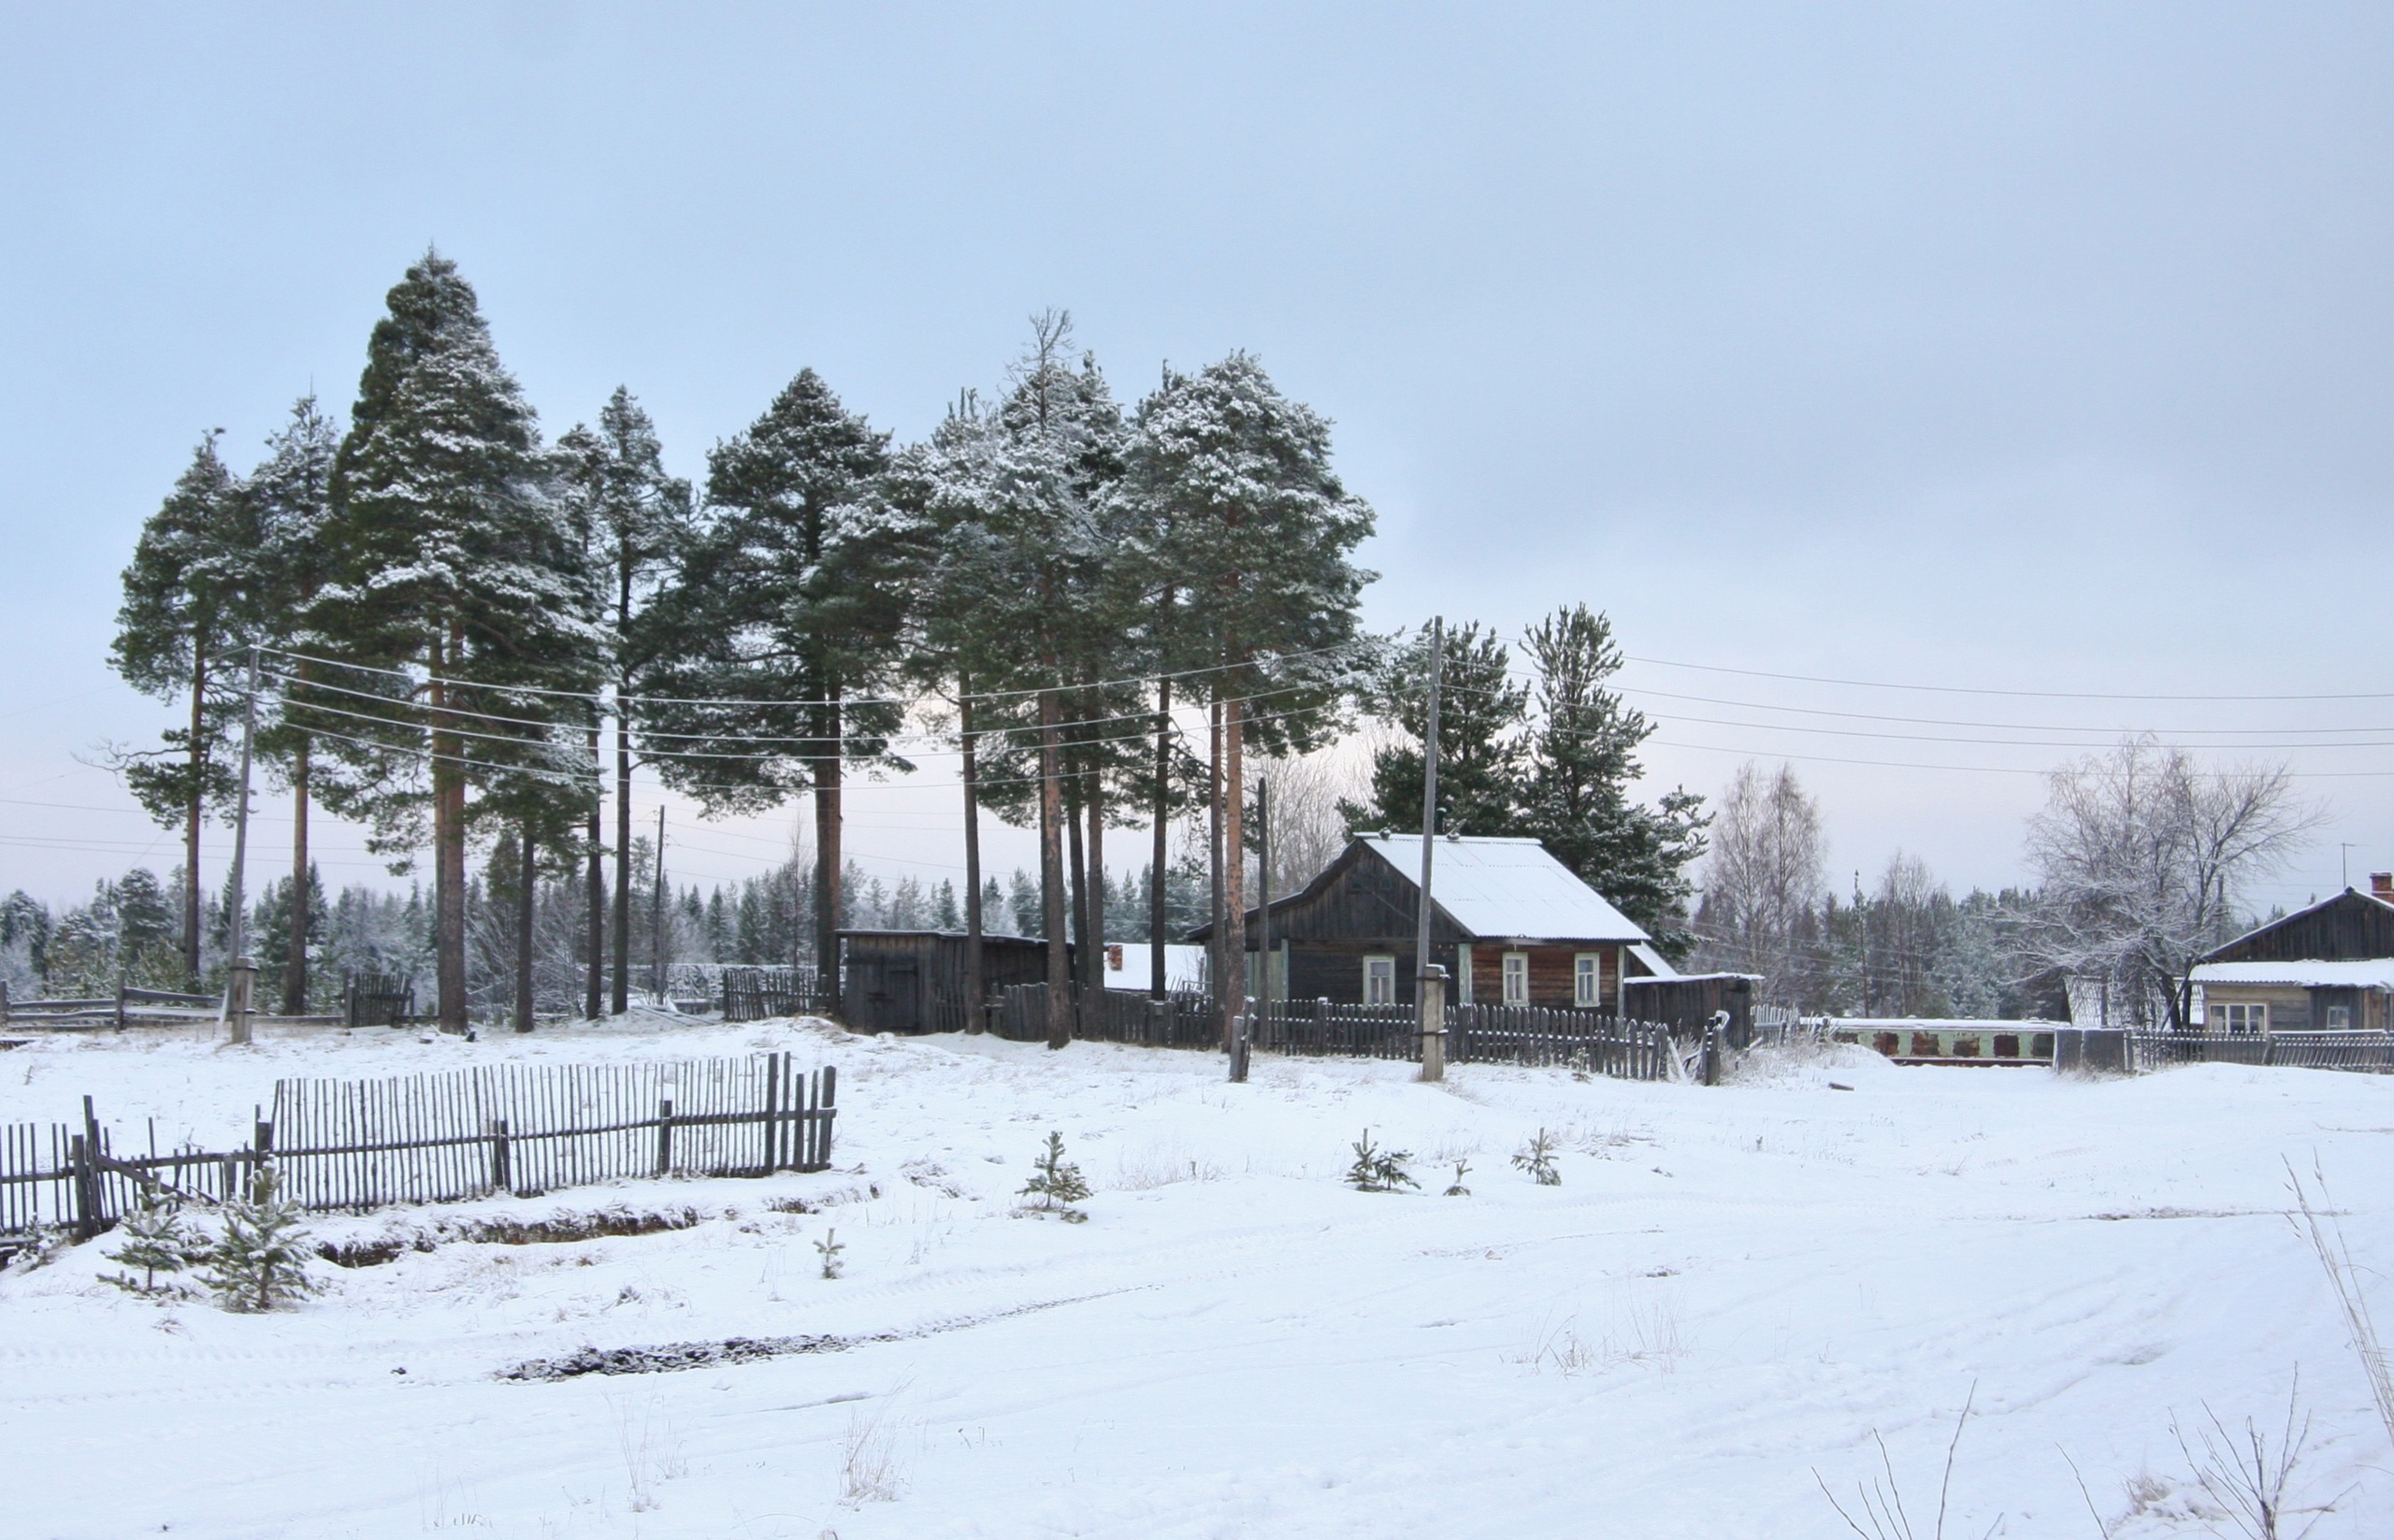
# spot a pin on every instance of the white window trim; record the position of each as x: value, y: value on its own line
x: 2331, y: 1012
x: 1462, y: 975
x: 1588, y: 968
x: 1510, y: 972
x: 2254, y: 1016
x: 1369, y: 960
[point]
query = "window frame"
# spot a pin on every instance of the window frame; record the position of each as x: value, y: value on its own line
x: 2332, y: 1012
x: 2241, y: 1018
x: 1370, y: 959
x: 1588, y: 981
x: 1507, y: 972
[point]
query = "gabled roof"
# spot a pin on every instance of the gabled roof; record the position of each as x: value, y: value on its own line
x: 1499, y: 889
x: 2371, y: 914
x: 2366, y: 974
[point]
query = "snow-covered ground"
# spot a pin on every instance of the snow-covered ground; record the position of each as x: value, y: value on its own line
x: 1731, y: 1290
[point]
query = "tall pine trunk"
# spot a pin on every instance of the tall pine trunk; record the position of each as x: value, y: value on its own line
x: 448, y: 840
x: 528, y: 891
x: 974, y: 981
x: 619, y: 1001
x: 1093, y: 965
x: 828, y: 766
x: 1077, y: 854
x: 294, y: 957
x: 192, y: 810
x: 594, y: 988
x: 1156, y: 979
x: 1051, y: 873
x: 1217, y: 957
x: 1235, y: 854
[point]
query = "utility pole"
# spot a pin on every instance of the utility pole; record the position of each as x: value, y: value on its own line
x: 241, y: 977
x: 1431, y: 1000
x: 657, y: 906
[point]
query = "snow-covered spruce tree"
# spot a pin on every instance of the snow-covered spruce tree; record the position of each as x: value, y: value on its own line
x: 1242, y: 516
x: 261, y: 1260
x: 289, y: 495
x: 187, y: 595
x: 1536, y: 1160
x: 154, y: 1238
x: 456, y: 565
x: 790, y: 599
x: 1056, y: 1181
x: 632, y: 515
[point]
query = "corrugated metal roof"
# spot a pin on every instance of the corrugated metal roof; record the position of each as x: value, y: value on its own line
x: 1505, y: 888
x: 2366, y: 974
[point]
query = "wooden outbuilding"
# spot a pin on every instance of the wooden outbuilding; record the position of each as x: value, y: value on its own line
x: 1511, y: 925
x: 913, y: 980
x: 1685, y: 1002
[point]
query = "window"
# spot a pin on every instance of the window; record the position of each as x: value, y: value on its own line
x: 2340, y: 1018
x: 1516, y: 978
x: 1379, y: 981
x: 1462, y: 975
x: 2240, y: 1019
x: 1588, y: 981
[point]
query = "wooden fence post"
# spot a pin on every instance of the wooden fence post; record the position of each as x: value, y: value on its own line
x: 665, y: 1132
x: 824, y: 1109
x: 501, y: 1179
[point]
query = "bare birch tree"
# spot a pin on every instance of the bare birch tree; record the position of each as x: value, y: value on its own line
x: 2145, y: 860
x: 1762, y: 881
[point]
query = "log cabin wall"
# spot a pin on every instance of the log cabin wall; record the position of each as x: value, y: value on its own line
x: 2349, y: 927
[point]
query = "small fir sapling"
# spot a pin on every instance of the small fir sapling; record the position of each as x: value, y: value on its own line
x: 1378, y: 1170
x: 1537, y: 1159
x: 828, y: 1248
x: 261, y: 1259
x: 1056, y: 1181
x: 1456, y: 1188
x: 156, y: 1241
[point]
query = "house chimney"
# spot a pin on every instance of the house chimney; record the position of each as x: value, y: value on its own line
x: 2381, y: 886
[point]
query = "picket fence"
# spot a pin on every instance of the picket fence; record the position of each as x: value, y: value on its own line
x: 758, y: 993
x: 2370, y: 1053
x: 432, y: 1138
x: 1485, y: 1034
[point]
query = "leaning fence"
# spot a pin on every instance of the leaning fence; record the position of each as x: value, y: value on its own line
x: 2369, y: 1053
x: 431, y: 1137
x: 757, y: 993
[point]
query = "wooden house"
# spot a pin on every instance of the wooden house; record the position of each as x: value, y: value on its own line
x: 913, y: 980
x: 1511, y: 925
x: 2328, y: 968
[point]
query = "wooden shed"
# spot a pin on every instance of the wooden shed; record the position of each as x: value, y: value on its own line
x: 1512, y: 926
x: 1685, y: 1001
x: 913, y: 980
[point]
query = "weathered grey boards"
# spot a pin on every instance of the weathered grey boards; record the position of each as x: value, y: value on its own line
x: 762, y: 993
x: 431, y: 1137
x: 913, y: 980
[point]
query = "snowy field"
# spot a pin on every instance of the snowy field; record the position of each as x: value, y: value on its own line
x: 1731, y: 1290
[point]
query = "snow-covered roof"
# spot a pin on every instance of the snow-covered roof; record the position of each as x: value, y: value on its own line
x: 2366, y: 974
x: 1506, y: 887
x: 1656, y: 964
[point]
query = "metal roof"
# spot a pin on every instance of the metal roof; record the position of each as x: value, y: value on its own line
x: 1501, y: 888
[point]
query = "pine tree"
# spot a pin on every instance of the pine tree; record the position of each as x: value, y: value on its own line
x: 187, y: 595
x: 794, y: 591
x: 1240, y: 510
x: 261, y: 1260
x: 1537, y: 1158
x: 1481, y: 757
x: 289, y: 495
x: 1575, y: 796
x: 1379, y: 1170
x: 156, y: 1239
x: 457, y: 564
x: 1056, y: 1181
x: 635, y: 514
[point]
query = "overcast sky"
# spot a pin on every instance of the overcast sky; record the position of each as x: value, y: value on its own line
x: 2005, y: 348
